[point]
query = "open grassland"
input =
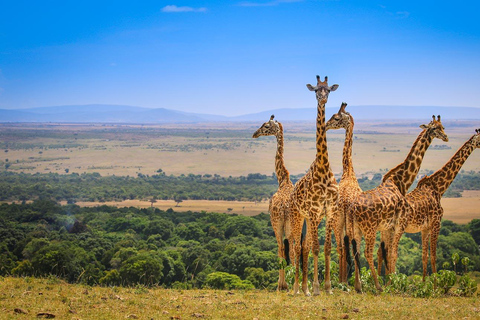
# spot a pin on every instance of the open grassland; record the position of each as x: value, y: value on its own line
x: 27, y: 298
x: 224, y: 149
x: 216, y: 149
x: 459, y: 210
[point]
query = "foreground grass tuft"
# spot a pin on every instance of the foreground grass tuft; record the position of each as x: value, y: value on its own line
x: 27, y: 298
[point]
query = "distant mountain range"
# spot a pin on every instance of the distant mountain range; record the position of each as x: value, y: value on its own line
x: 100, y: 113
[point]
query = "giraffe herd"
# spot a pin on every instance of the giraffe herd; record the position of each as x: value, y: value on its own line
x: 350, y: 212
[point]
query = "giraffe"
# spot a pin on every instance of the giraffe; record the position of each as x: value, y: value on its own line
x: 280, y: 201
x: 425, y: 201
x: 348, y: 186
x: 385, y: 207
x: 314, y: 196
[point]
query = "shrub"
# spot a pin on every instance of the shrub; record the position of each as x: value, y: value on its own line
x: 223, y: 280
x: 398, y: 283
x: 466, y: 286
x: 444, y: 280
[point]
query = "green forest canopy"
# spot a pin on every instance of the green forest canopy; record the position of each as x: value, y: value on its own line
x: 130, y: 246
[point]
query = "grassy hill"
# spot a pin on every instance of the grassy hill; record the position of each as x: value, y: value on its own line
x: 26, y: 298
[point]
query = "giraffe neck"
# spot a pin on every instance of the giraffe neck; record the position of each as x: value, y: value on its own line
x: 347, y: 150
x: 404, y: 174
x: 321, y: 160
x: 442, y: 178
x: 280, y: 170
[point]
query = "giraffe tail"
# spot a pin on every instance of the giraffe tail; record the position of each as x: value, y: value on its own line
x: 384, y: 254
x: 286, y: 250
x: 355, y: 252
x: 348, y: 257
x: 302, y: 242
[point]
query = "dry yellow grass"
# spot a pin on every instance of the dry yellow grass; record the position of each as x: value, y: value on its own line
x: 27, y: 298
x: 130, y: 153
x: 126, y: 152
x: 247, y: 208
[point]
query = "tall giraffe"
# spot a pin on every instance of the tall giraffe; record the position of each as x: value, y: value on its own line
x: 385, y: 207
x: 314, y: 196
x: 280, y: 202
x: 348, y: 187
x: 425, y: 200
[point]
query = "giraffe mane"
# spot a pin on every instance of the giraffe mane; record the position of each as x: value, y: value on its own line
x: 391, y: 171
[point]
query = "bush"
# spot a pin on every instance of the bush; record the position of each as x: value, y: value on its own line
x: 223, y: 280
x: 398, y: 283
x: 444, y: 280
x: 466, y: 286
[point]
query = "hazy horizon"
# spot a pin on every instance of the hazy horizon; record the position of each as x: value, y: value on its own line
x: 240, y: 57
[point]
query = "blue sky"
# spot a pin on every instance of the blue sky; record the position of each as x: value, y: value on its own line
x: 237, y: 57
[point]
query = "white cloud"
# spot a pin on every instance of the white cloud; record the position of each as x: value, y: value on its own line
x: 266, y: 4
x: 174, y: 8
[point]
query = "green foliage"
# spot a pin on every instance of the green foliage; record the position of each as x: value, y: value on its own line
x: 366, y: 279
x: 466, y: 286
x: 398, y: 283
x: 223, y: 280
x: 444, y: 280
x: 131, y: 246
x: 421, y: 289
x: 142, y: 268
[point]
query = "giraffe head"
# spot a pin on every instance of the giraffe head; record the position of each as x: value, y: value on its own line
x: 476, y: 139
x: 322, y: 89
x: 341, y: 119
x: 435, y: 129
x: 269, y: 128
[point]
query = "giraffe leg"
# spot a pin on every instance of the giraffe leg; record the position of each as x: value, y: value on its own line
x: 341, y: 250
x: 296, y: 236
x: 315, y: 245
x: 328, y: 250
x: 305, y: 252
x: 433, y: 244
x: 380, y: 254
x: 298, y: 248
x: 278, y: 228
x: 356, y: 242
x: 369, y: 245
x: 393, y: 248
x: 425, y: 241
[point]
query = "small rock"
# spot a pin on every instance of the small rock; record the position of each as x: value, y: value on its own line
x: 356, y: 310
x: 165, y: 312
x: 345, y: 316
x: 72, y: 311
x: 46, y: 315
x: 175, y: 317
x: 132, y: 316
x: 18, y: 310
x: 198, y: 315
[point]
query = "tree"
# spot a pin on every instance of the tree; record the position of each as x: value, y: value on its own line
x: 474, y: 229
x: 144, y: 268
x: 223, y: 280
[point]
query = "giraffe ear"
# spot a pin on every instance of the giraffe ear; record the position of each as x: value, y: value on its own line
x: 334, y: 87
x: 424, y: 126
x: 310, y: 87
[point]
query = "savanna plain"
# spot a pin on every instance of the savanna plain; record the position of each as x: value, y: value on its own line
x: 224, y: 150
